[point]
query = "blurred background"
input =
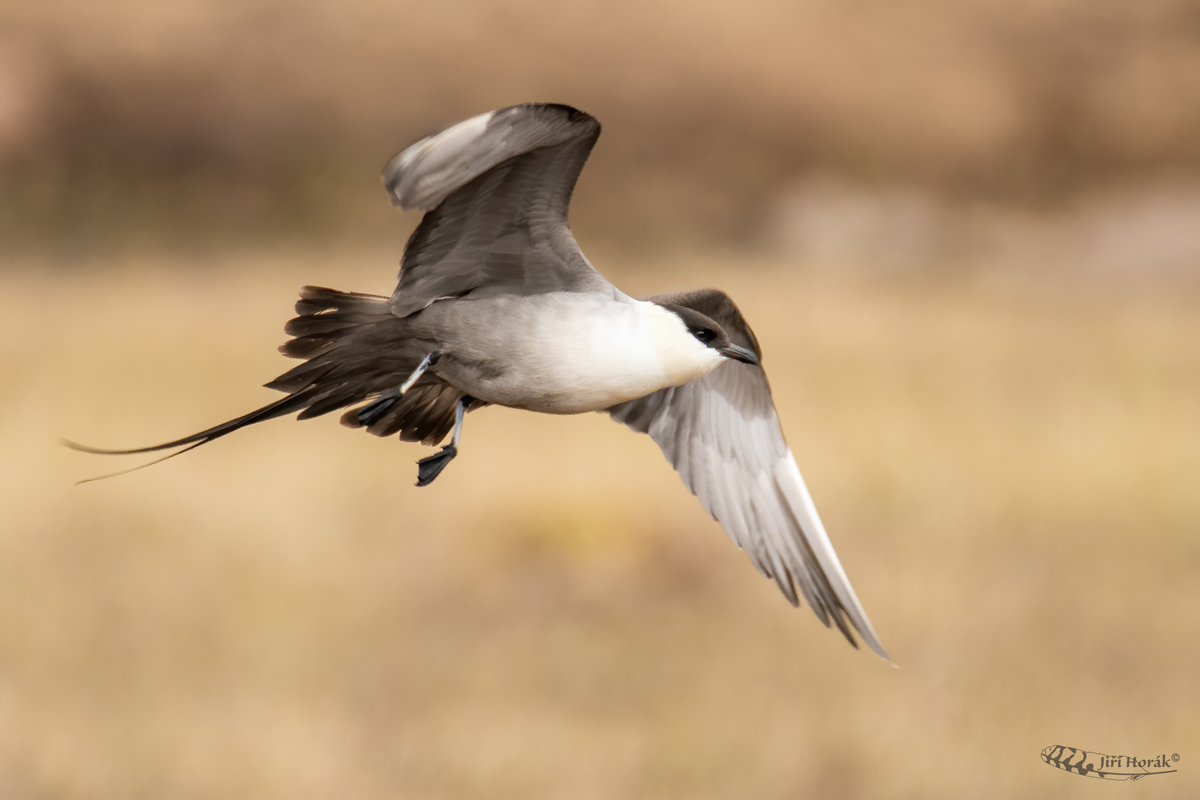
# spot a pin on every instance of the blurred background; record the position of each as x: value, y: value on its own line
x: 967, y: 233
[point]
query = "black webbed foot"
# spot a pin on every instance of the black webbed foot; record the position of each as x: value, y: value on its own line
x: 430, y: 467
x: 369, y: 414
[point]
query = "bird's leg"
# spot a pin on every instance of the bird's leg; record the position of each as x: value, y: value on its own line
x: 368, y: 414
x: 430, y: 467
x: 428, y: 361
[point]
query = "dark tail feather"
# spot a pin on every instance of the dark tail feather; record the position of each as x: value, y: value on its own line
x: 276, y: 409
x: 131, y: 469
x: 354, y: 348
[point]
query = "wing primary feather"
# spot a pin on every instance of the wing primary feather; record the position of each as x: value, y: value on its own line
x: 810, y: 523
x: 722, y: 435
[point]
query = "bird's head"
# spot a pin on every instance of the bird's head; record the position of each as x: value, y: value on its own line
x: 708, y: 332
x: 693, y: 333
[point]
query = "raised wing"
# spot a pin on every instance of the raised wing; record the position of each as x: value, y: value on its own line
x: 722, y: 434
x: 496, y: 189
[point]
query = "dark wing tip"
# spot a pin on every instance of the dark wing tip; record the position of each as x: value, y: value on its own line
x: 574, y: 115
x: 429, y: 171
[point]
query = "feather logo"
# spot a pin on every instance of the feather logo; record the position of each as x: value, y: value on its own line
x: 1112, y: 768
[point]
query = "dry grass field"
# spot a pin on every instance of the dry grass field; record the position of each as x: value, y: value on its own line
x: 1009, y: 469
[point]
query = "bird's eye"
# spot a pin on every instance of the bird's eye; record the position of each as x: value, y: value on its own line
x: 704, y: 334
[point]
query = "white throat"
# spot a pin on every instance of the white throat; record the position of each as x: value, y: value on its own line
x: 683, y: 357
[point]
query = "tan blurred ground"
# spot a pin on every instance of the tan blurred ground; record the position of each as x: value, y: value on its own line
x: 1008, y: 469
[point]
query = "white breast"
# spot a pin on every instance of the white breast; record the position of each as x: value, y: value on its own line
x: 588, y: 352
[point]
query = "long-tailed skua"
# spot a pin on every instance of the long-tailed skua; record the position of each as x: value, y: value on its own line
x: 496, y: 305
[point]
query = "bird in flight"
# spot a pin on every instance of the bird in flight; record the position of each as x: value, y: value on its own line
x: 496, y: 305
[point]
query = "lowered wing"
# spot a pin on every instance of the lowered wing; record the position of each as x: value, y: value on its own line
x: 722, y: 435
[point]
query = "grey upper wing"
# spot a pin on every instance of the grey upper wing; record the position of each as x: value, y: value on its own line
x: 722, y: 434
x: 496, y: 189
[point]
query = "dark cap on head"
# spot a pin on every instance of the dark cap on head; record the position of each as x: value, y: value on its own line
x: 715, y: 320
